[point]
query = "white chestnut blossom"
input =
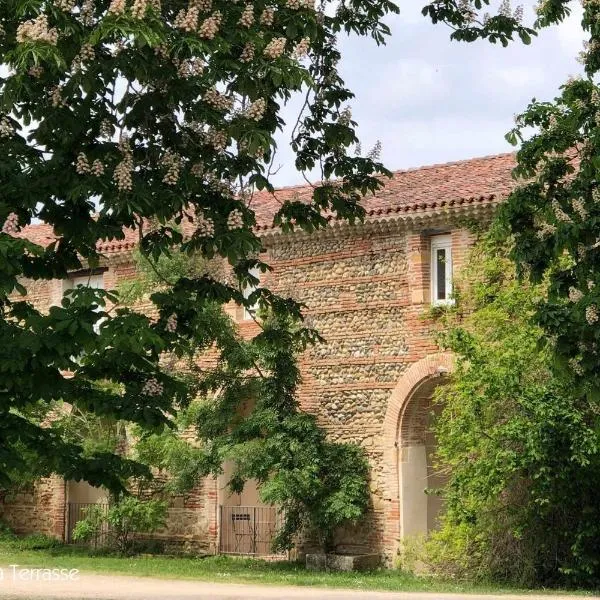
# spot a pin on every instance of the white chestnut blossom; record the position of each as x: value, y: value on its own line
x: 171, y: 325
x: 559, y: 213
x: 575, y: 295
x: 217, y: 138
x: 138, y: 9
x: 37, y: 30
x: 267, y: 17
x: 256, y: 110
x: 117, y: 7
x: 82, y: 165
x: 301, y: 48
x: 275, y: 48
x: 210, y: 26
x: 36, y: 71
x: 591, y: 314
x: 153, y: 387
x: 579, y: 207
x: 235, y: 220
x: 97, y: 168
x: 122, y: 174
x: 205, y: 227
x: 217, y: 100
x: 247, y: 53
x: 65, y: 5
x: 171, y: 161
x: 6, y: 129
x: 247, y: 18
x: 11, y: 225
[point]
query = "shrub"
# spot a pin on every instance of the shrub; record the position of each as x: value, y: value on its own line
x: 123, y: 520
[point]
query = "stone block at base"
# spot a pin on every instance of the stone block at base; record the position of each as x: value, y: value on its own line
x: 342, y: 562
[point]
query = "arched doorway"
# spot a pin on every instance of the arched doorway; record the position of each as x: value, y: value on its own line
x: 409, y: 445
x: 420, y: 507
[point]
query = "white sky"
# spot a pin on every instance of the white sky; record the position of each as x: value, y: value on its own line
x: 430, y: 100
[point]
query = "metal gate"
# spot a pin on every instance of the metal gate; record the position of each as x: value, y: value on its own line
x: 248, y: 530
x: 76, y: 511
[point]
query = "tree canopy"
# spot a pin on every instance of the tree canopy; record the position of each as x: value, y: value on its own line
x: 147, y: 115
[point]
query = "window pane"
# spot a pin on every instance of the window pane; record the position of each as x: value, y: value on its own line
x: 440, y: 261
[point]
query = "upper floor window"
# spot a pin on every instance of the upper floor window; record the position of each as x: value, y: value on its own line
x: 87, y: 280
x: 441, y: 269
x: 250, y: 311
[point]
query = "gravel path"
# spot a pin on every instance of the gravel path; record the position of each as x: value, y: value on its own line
x: 116, y: 587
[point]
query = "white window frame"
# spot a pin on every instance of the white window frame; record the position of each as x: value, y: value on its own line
x: 249, y: 313
x: 441, y: 242
x: 91, y: 281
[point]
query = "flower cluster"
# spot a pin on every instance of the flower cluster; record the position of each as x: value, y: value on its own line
x: 210, y: 26
x: 247, y: 18
x: 138, y: 10
x: 298, y: 4
x: 171, y: 161
x: 217, y: 138
x: 65, y: 5
x: 190, y: 67
x: 122, y: 174
x: 302, y: 48
x: 546, y: 230
x: 6, y: 129
x: 86, y: 54
x: 97, y: 168
x: 171, y: 325
x: 247, y: 52
x: 106, y: 128
x: 575, y: 295
x: 275, y: 48
x: 87, y: 12
x: 56, y: 97
x: 197, y: 169
x: 187, y: 20
x: 256, y: 110
x: 205, y: 227
x: 218, y: 100
x: 117, y: 7
x: 559, y: 213
x: 11, y: 225
x: 345, y: 116
x: 591, y: 314
x: 267, y: 17
x: 36, y: 71
x: 576, y: 366
x: 153, y: 387
x: 82, y: 165
x: 235, y: 220
x: 579, y: 207
x: 37, y: 30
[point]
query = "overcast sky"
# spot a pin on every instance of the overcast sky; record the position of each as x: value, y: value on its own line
x: 430, y: 100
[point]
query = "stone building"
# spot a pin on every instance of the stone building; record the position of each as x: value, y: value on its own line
x: 368, y: 288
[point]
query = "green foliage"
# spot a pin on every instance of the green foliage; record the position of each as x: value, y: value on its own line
x: 123, y: 520
x: 521, y: 446
x: 554, y: 213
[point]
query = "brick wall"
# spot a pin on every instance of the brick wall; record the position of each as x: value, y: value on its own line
x: 367, y: 289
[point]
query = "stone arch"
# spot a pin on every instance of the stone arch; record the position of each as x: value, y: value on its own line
x: 402, y: 426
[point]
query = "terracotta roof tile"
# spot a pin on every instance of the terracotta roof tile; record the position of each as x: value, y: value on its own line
x: 452, y: 184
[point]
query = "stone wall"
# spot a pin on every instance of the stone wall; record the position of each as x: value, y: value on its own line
x: 39, y: 508
x: 367, y: 292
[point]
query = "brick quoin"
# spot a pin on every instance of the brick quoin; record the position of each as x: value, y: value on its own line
x: 367, y: 290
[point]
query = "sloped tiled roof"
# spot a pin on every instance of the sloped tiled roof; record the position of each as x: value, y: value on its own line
x: 474, y: 181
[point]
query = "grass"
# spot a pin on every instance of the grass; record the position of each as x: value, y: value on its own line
x: 234, y: 570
